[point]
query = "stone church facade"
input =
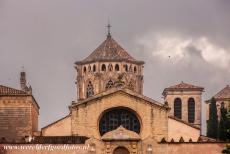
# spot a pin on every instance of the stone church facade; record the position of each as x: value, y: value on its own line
x: 111, y: 110
x: 112, y: 115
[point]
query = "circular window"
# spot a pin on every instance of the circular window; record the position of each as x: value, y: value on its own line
x: 116, y: 117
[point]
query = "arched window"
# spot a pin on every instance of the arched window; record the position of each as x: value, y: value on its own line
x: 126, y: 68
x: 177, y: 108
x: 191, y: 110
x: 110, y: 67
x: 130, y: 68
x: 135, y: 69
x: 84, y: 69
x: 90, y: 91
x: 109, y: 84
x: 117, y: 67
x: 89, y: 68
x: 117, y: 117
x: 103, y: 67
x: 94, y: 68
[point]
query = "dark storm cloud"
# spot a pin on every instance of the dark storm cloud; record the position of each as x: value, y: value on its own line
x: 47, y: 37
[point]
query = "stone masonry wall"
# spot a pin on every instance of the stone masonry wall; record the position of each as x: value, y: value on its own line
x: 16, y: 117
x: 153, y: 119
x: 184, y: 96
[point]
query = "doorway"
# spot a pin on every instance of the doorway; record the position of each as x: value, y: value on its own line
x: 121, y: 150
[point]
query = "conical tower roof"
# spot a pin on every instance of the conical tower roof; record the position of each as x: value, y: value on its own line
x: 224, y: 93
x: 109, y: 50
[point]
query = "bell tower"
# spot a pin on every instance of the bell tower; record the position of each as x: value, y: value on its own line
x: 107, y: 66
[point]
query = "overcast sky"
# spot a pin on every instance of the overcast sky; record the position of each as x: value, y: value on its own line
x: 180, y: 40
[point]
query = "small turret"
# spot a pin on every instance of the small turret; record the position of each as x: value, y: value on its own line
x: 23, y: 81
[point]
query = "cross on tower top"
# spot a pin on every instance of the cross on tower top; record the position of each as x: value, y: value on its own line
x: 109, y: 27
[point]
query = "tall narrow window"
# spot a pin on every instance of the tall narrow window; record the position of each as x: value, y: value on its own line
x: 109, y: 84
x: 130, y: 68
x: 117, y: 67
x: 89, y: 68
x: 84, y: 69
x: 126, y: 68
x: 90, y: 91
x: 94, y: 68
x: 191, y: 110
x: 135, y: 69
x: 103, y: 67
x: 110, y: 67
x: 177, y: 108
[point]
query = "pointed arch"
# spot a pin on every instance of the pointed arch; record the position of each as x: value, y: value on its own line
x: 89, y: 90
x: 191, y: 110
x: 177, y: 108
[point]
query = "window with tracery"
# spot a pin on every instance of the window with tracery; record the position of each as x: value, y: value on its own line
x: 90, y: 91
x: 116, y: 117
x: 177, y: 108
x: 191, y: 110
x: 109, y: 84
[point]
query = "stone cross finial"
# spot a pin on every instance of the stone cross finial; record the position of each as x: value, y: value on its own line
x: 109, y: 27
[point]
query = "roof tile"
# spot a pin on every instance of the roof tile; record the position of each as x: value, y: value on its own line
x: 109, y: 50
x: 183, y: 85
x: 10, y: 91
x: 224, y: 93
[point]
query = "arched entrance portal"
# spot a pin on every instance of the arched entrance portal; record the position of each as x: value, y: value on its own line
x: 121, y: 150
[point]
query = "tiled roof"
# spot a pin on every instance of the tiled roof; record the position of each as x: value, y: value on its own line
x: 10, y: 91
x: 122, y: 90
x: 109, y: 50
x: 224, y: 93
x: 183, y: 85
